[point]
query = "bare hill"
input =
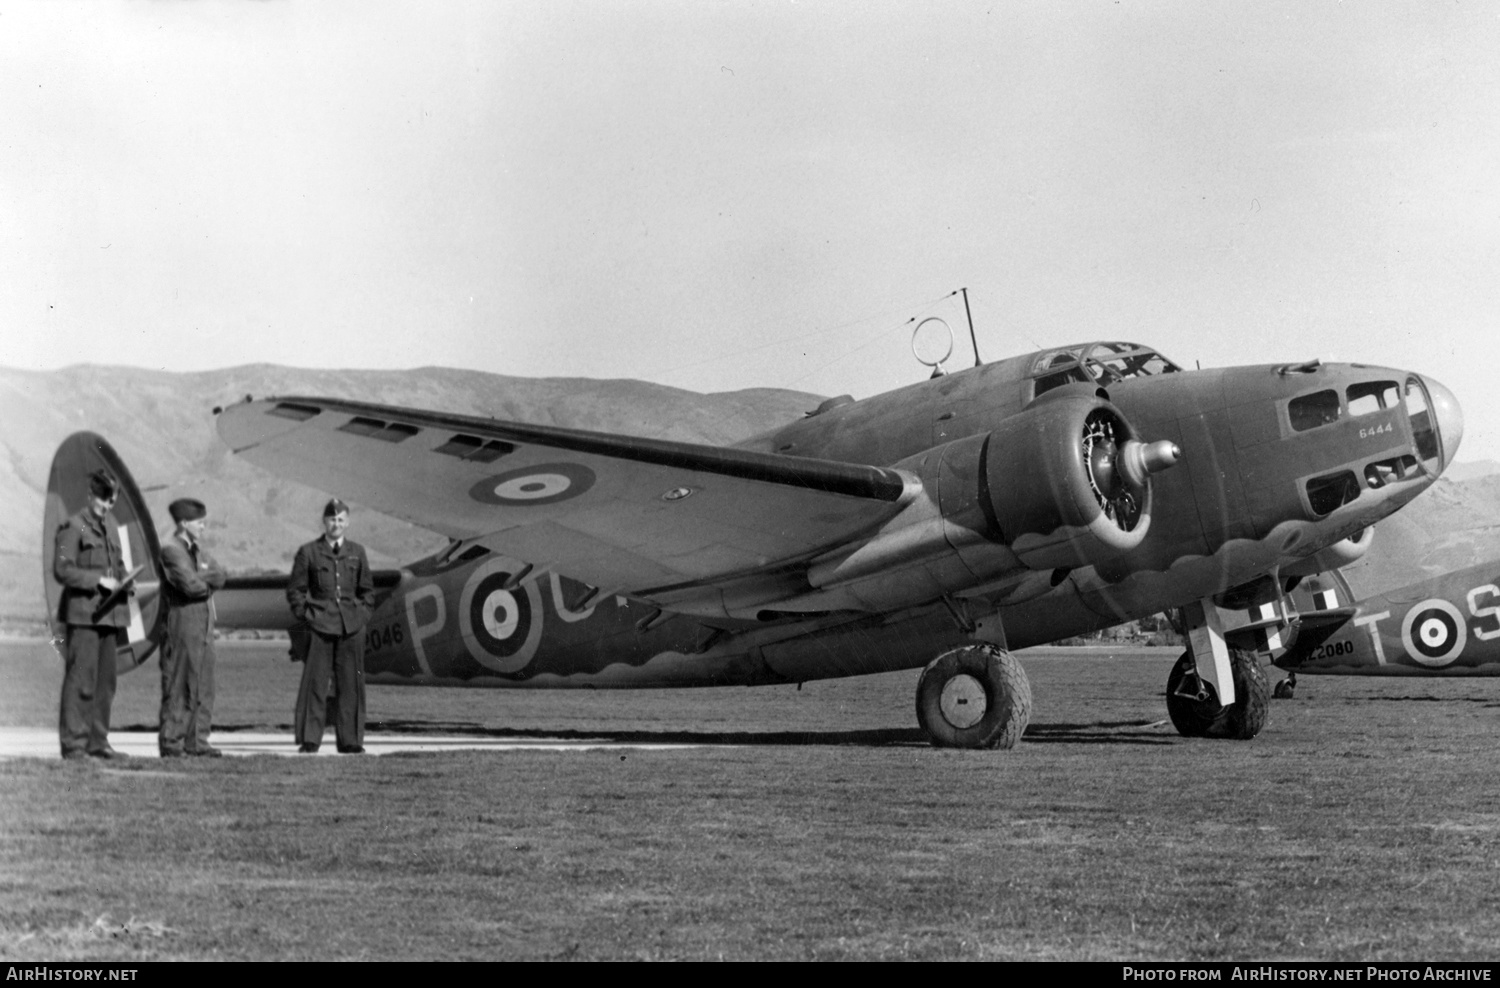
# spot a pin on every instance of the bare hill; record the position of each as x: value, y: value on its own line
x: 1460, y: 472
x: 1450, y: 526
x: 162, y: 424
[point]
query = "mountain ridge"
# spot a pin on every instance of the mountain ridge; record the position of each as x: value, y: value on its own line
x: 162, y: 424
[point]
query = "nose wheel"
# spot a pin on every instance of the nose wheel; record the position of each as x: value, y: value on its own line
x: 974, y: 697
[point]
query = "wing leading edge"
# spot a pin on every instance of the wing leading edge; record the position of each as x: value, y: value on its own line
x: 618, y: 512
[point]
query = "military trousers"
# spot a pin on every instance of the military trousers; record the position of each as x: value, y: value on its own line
x: 187, y: 688
x: 335, y: 665
x: 88, y: 689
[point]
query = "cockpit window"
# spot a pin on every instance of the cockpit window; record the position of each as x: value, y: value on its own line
x: 1102, y: 363
x: 1374, y: 396
x: 1054, y: 359
x: 1072, y: 375
x: 1111, y: 362
x: 1311, y: 411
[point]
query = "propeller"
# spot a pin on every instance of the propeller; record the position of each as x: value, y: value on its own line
x: 1120, y: 467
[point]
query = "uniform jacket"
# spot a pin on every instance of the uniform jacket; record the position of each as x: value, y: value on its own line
x: 87, y: 549
x: 333, y: 593
x: 187, y: 589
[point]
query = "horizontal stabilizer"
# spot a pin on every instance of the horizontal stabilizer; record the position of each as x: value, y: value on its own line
x: 259, y: 602
x: 1331, y: 618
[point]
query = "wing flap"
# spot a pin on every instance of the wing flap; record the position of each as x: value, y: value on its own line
x: 611, y: 510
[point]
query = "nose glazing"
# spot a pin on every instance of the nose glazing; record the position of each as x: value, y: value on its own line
x: 1448, y: 416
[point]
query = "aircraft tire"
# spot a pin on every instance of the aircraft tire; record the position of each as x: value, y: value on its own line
x: 976, y: 696
x: 1207, y: 718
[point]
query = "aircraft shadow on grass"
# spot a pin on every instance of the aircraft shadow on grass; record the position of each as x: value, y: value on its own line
x: 1446, y: 700
x: 1101, y: 732
x: 1118, y: 732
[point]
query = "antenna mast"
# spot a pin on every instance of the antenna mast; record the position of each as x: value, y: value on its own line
x: 972, y: 339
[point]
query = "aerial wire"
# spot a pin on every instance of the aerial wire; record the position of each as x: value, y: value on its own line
x: 812, y: 334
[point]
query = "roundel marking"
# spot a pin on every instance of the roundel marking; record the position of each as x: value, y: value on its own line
x: 501, y: 628
x: 499, y: 614
x: 1434, y: 632
x: 545, y: 483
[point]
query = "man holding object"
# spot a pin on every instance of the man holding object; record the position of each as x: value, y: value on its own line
x: 333, y: 591
x: 88, y: 562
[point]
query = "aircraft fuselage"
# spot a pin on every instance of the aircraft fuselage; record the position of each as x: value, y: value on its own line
x: 1448, y: 625
x: 1278, y: 462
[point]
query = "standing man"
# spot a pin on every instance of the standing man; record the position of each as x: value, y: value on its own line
x: 189, y: 578
x: 88, y: 562
x: 333, y: 592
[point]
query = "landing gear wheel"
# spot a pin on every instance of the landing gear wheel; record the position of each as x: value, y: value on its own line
x: 1195, y: 709
x: 974, y: 697
x: 1286, y: 689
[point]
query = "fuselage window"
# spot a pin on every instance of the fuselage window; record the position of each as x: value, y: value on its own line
x: 1311, y: 411
x: 1375, y: 396
x: 1325, y: 494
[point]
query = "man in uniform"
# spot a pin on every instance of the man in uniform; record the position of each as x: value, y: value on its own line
x: 333, y: 592
x: 88, y: 562
x: 189, y: 578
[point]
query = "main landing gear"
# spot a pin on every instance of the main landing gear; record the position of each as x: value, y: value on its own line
x: 976, y: 696
x: 1193, y: 703
x: 1210, y: 672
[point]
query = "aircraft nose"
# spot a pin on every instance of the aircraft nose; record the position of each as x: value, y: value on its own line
x: 1448, y: 416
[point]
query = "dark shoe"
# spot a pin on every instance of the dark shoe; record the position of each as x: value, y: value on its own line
x: 207, y: 751
x: 109, y: 754
x: 172, y: 753
x: 307, y: 749
x: 351, y: 749
x: 74, y: 756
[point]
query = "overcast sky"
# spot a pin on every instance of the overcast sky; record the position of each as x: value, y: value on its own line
x: 719, y: 195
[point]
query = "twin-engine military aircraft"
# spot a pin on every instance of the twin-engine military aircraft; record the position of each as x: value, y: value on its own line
x: 943, y: 525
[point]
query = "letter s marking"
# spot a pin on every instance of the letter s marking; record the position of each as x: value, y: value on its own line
x: 1492, y: 611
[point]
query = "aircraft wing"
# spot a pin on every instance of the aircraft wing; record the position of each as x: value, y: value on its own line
x: 617, y: 512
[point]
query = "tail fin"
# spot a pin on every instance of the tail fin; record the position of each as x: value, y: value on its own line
x: 68, y: 493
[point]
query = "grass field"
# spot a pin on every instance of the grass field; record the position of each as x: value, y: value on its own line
x: 1363, y: 824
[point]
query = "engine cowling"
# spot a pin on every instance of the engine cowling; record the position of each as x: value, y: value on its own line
x: 1064, y: 483
x: 1070, y: 481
